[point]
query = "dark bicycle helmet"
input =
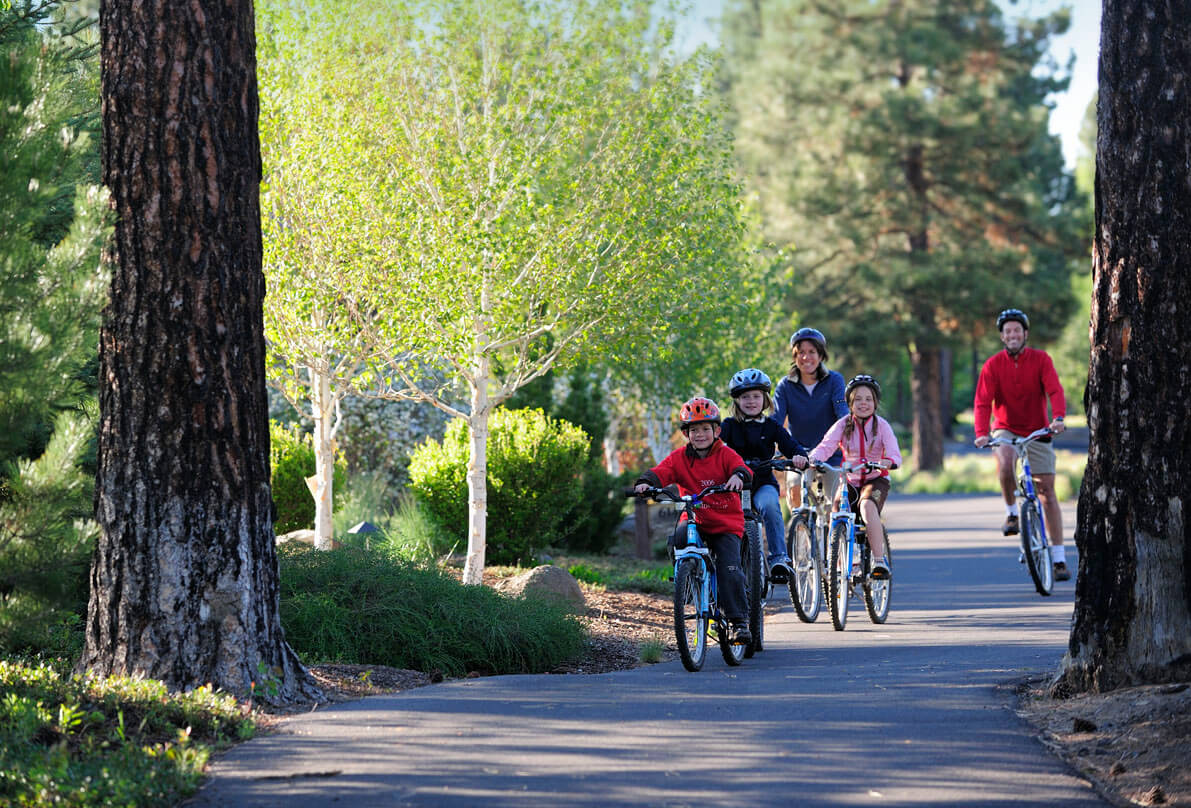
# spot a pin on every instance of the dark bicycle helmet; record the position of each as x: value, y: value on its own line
x: 815, y: 336
x: 749, y: 379
x: 1013, y: 314
x: 698, y: 410
x: 863, y: 380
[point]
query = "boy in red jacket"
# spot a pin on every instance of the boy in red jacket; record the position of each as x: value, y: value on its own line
x: 703, y: 462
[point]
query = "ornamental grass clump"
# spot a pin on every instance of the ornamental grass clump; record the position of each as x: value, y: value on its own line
x: 350, y: 605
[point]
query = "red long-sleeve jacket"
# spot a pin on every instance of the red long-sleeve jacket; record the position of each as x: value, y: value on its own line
x: 721, y: 513
x: 1015, y: 389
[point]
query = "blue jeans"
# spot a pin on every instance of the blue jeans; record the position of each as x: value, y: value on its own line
x: 767, y: 502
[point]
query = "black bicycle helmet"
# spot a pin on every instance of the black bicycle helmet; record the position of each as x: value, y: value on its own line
x: 815, y: 336
x: 749, y: 379
x: 1013, y: 314
x: 863, y: 380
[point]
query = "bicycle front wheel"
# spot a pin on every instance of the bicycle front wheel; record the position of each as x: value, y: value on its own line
x: 754, y: 584
x: 839, y: 581
x: 877, y: 592
x: 804, y: 586
x: 690, y: 623
x: 1036, y: 549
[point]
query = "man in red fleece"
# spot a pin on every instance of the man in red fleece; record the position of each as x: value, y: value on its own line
x: 1014, y: 387
x: 706, y: 461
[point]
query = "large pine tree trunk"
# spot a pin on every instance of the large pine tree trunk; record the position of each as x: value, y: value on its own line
x: 925, y: 387
x: 184, y: 581
x: 1132, y: 618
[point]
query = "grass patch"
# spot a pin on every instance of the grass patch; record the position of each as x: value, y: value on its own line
x: 620, y: 573
x: 977, y: 474
x: 417, y: 617
x: 80, y: 741
x: 651, y: 651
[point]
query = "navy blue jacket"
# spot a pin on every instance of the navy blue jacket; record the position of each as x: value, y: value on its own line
x: 755, y: 440
x: 808, y: 416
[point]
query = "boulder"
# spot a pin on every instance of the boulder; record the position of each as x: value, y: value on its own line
x: 547, y: 581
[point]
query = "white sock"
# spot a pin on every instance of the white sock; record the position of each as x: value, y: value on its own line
x: 1011, y: 510
x: 1058, y: 553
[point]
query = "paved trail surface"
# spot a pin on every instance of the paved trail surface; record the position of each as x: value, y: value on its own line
x: 915, y: 712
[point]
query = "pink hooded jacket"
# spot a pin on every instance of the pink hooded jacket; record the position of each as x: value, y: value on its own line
x: 863, y: 445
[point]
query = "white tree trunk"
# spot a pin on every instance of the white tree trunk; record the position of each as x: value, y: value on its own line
x: 323, y: 411
x: 658, y: 429
x: 477, y: 479
x: 612, y: 443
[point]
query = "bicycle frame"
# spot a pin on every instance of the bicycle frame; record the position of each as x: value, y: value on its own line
x: 1025, y: 478
x: 696, y: 549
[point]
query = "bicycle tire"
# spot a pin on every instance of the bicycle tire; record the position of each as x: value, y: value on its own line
x: 754, y: 584
x: 839, y: 577
x: 733, y: 654
x: 805, y: 585
x: 1037, y: 551
x: 690, y: 625
x: 877, y: 593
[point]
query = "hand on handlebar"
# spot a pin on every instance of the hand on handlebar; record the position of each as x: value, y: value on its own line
x: 981, y: 441
x: 799, y: 462
x: 734, y: 483
x: 1057, y: 426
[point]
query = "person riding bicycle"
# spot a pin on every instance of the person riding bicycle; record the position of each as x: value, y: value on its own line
x: 808, y: 401
x: 755, y: 437
x: 1014, y: 388
x: 706, y: 461
x: 862, y: 435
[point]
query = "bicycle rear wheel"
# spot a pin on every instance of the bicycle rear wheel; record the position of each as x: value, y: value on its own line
x: 733, y: 654
x: 1036, y: 549
x: 877, y: 592
x: 840, y: 578
x: 753, y: 559
x: 690, y: 624
x: 804, y: 585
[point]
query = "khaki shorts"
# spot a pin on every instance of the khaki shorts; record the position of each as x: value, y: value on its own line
x: 877, y: 490
x: 1042, y: 455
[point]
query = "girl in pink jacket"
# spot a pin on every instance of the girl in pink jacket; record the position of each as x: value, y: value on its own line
x: 865, y: 436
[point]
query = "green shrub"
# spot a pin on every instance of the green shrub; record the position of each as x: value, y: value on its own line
x: 582, y: 572
x: 416, y: 617
x: 535, y: 466
x: 291, y: 457
x: 590, y: 526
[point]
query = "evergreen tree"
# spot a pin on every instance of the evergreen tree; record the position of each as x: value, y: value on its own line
x: 52, y: 223
x: 901, y: 147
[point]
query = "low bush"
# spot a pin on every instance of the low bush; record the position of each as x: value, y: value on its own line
x: 82, y: 741
x: 535, y: 466
x: 416, y: 617
x: 291, y: 458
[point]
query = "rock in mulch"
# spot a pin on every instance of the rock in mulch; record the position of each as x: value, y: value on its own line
x: 548, y: 581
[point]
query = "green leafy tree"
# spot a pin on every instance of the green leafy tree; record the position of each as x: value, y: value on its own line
x: 52, y: 224
x: 901, y: 147
x: 529, y: 184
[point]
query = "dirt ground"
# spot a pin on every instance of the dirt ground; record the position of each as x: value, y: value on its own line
x: 1133, y: 745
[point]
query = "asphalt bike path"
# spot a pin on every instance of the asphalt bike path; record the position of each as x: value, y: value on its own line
x: 918, y: 711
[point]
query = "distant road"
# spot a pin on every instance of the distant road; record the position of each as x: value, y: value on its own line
x: 916, y: 712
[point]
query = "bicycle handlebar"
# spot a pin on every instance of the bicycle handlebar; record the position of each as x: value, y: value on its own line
x: 1033, y: 436
x: 866, y: 465
x: 778, y: 463
x: 670, y: 494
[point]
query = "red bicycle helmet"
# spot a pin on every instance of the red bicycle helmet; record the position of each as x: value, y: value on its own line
x: 698, y: 410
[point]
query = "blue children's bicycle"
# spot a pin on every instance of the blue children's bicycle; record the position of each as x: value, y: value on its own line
x: 1035, y: 547
x: 697, y: 615
x: 847, y: 567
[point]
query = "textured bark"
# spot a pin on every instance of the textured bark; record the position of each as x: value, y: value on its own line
x: 1132, y: 621
x: 184, y: 581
